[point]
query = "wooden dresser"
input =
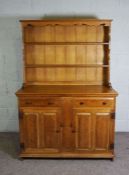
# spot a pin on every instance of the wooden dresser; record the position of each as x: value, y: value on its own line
x: 66, y: 104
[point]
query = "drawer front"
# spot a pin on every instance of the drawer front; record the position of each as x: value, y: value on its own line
x: 45, y: 102
x: 82, y: 102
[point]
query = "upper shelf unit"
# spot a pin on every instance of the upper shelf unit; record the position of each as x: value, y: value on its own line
x: 67, y: 33
x: 66, y: 51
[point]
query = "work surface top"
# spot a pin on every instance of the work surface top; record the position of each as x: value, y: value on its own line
x: 66, y: 90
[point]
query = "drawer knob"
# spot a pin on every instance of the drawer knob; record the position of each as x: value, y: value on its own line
x: 104, y: 103
x: 50, y: 103
x: 81, y: 103
x: 28, y: 103
x: 29, y: 25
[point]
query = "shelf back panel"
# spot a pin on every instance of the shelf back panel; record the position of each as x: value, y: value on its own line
x: 66, y: 54
x: 59, y: 75
x: 67, y: 33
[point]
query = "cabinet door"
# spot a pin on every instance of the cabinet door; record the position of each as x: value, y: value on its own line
x: 40, y: 129
x: 28, y: 129
x: 83, y: 122
x: 49, y: 130
x: 104, y: 131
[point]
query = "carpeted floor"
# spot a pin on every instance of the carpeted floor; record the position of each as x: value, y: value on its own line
x: 11, y: 165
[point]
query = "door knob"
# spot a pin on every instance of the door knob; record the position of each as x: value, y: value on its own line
x: 57, y: 131
x: 73, y: 131
x: 61, y: 125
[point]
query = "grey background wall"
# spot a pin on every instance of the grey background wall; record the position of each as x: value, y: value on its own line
x: 11, y: 65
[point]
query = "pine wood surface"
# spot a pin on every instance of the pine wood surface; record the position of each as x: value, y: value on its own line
x: 67, y: 90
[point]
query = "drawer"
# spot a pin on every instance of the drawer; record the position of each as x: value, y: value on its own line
x: 93, y: 102
x: 45, y: 102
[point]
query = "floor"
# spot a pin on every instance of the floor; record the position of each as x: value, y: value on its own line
x: 11, y: 165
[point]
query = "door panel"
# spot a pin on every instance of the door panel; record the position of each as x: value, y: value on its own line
x: 83, y: 130
x: 30, y: 129
x: 41, y: 129
x: 49, y: 130
x: 102, y: 131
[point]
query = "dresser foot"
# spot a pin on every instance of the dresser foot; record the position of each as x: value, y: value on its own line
x: 112, y: 159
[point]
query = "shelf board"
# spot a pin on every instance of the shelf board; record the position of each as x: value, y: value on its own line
x: 65, y: 65
x: 67, y: 43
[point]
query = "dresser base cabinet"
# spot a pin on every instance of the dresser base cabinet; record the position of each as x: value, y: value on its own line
x: 67, y: 126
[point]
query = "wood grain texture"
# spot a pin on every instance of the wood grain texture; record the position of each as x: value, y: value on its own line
x: 72, y: 90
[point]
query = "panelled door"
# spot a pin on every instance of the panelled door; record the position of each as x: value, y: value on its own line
x: 104, y: 131
x: 94, y: 131
x: 41, y: 130
x: 83, y: 127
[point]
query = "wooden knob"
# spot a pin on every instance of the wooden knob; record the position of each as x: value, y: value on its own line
x: 73, y: 131
x: 61, y: 125
x: 104, y: 103
x: 29, y: 25
x: 57, y: 131
x: 28, y: 103
x: 50, y: 103
x: 81, y: 103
